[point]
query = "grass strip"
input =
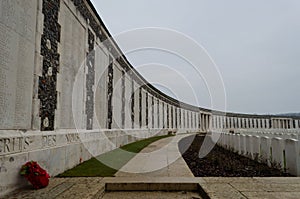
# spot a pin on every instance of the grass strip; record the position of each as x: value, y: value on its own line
x: 116, y: 159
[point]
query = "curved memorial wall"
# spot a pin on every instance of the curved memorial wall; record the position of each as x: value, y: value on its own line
x: 66, y: 85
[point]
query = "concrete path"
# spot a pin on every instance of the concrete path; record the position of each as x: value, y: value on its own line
x: 160, y: 159
x: 175, y: 177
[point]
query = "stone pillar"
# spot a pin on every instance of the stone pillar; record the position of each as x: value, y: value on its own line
x: 123, y: 99
x: 274, y: 124
x: 155, y: 109
x: 235, y: 122
x: 132, y: 103
x: 291, y: 123
x: 267, y: 123
x: 251, y: 122
x: 207, y: 122
x: 204, y: 121
x: 168, y: 116
x: 165, y: 115
x: 255, y: 123
x: 217, y: 122
x: 140, y: 108
x: 192, y: 119
x: 128, y: 94
x: 196, y: 120
x: 150, y: 114
x: 263, y: 123
x: 153, y: 112
x: 147, y: 110
x: 259, y: 123
x: 158, y: 114
x: 144, y: 109
x: 200, y: 121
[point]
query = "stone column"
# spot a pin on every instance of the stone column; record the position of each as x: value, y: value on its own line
x: 143, y: 109
x: 168, y: 116
x: 268, y: 123
x: 251, y: 122
x: 150, y: 114
x: 200, y: 121
x: 196, y: 120
x: 147, y: 110
x: 239, y: 123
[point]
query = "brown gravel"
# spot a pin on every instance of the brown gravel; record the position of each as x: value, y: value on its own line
x: 223, y: 163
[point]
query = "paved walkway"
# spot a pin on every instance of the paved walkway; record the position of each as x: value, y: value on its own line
x: 176, y: 177
x: 160, y: 159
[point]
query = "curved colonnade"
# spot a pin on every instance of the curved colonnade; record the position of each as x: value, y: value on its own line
x: 76, y: 96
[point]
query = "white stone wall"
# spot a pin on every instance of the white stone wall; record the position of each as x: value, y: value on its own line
x: 72, y: 62
x: 117, y: 97
x: 101, y: 64
x: 18, y: 57
x: 128, y: 94
x: 57, y: 151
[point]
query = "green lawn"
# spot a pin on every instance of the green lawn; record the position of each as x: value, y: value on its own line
x: 118, y: 157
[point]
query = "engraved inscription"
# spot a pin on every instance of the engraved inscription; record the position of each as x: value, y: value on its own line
x: 49, y: 141
x: 71, y: 138
x: 17, y: 46
x: 12, y: 145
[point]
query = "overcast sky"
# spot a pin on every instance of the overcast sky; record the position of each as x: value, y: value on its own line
x: 255, y: 45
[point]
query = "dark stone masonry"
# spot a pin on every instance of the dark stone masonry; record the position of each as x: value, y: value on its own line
x: 90, y: 81
x: 47, y: 82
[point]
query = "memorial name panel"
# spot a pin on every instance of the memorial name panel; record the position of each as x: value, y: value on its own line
x: 17, y: 47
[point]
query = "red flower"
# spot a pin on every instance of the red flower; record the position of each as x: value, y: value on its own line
x: 36, y: 175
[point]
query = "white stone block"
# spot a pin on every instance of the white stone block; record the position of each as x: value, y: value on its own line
x: 242, y: 149
x: 236, y: 143
x: 223, y: 140
x: 255, y: 147
x: 73, y: 155
x: 231, y: 141
x: 292, y: 156
x: 265, y: 143
x: 10, y: 166
x: 277, y: 153
x: 226, y: 140
x: 248, y: 145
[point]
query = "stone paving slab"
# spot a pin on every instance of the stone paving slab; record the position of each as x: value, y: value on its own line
x: 75, y: 188
x: 152, y: 195
x: 258, y: 187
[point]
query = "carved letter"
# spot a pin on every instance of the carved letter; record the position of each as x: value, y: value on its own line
x: 27, y: 142
x: 6, y: 145
x: 45, y: 141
